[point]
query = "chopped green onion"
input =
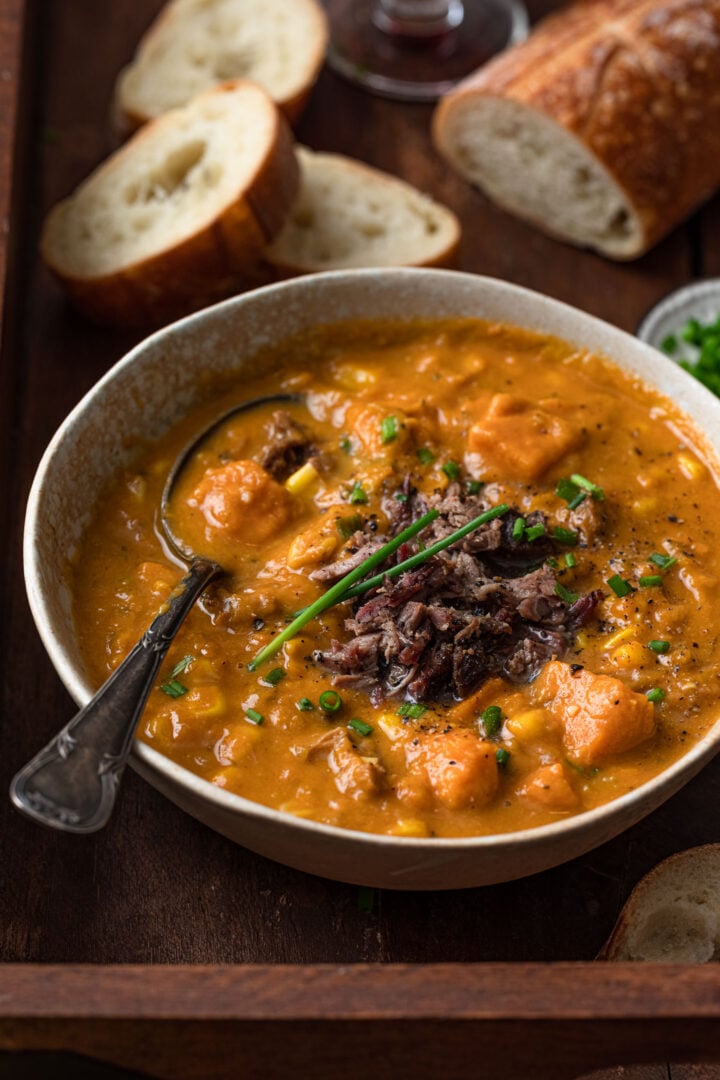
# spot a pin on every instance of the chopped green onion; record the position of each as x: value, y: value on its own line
x: 650, y: 581
x: 565, y: 489
x: 518, y: 530
x: 659, y: 646
x: 304, y: 705
x: 656, y: 695
x: 273, y: 677
x: 534, y: 532
x: 565, y: 594
x: 345, y: 444
x: 565, y: 536
x: 174, y: 688
x: 254, y: 716
x: 360, y: 726
x: 349, y: 525
x: 423, y: 556
x: 182, y: 665
x: 337, y: 593
x: 388, y: 429
x: 669, y: 344
x: 587, y: 485
x: 330, y: 701
x: 451, y: 470
x: 579, y: 498
x: 357, y: 493
x: 619, y: 586
x: 692, y: 332
x: 425, y: 455
x: 502, y: 756
x: 412, y: 709
x: 474, y: 487
x: 492, y: 720
x: 552, y: 562
x: 663, y: 561
x: 570, y: 560
x: 401, y: 496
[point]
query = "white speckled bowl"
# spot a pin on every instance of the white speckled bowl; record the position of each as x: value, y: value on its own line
x: 153, y: 386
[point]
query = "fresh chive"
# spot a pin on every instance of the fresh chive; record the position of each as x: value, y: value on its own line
x: 337, y: 593
x: 656, y: 695
x: 565, y: 594
x: 492, y: 720
x: 659, y: 646
x: 254, y: 716
x: 565, y: 489
x: 182, y: 665
x: 388, y: 429
x: 349, y: 525
x: 174, y: 689
x: 412, y: 709
x: 425, y: 455
x: 422, y: 556
x: 474, y: 487
x: 565, y: 536
x: 330, y: 701
x: 345, y: 444
x: 518, y: 530
x: 273, y: 677
x: 579, y: 498
x: 663, y: 561
x: 570, y: 560
x: 502, y: 756
x: 304, y: 705
x: 366, y: 899
x: 451, y: 470
x: 619, y: 586
x: 357, y: 493
x: 587, y: 485
x: 669, y: 344
x: 534, y: 532
x: 360, y: 726
x: 650, y: 581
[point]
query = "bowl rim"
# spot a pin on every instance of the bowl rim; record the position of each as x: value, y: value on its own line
x: 176, y: 774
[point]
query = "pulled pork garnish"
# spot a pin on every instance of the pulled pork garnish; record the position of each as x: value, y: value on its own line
x: 485, y: 606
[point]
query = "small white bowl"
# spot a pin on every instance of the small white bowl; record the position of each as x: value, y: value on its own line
x: 153, y: 386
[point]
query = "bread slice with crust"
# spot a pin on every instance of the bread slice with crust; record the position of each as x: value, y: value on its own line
x: 603, y: 128
x: 673, y: 913
x: 348, y: 214
x: 194, y: 44
x: 181, y: 214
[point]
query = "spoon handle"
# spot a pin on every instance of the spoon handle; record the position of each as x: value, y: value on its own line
x: 71, y: 784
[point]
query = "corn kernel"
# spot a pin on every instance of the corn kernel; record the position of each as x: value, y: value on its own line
x: 411, y: 827
x: 646, y: 506
x: 691, y: 468
x: 302, y: 478
x: 581, y: 639
x: 292, y: 806
x: 352, y: 378
x: 630, y: 654
x: 528, y: 726
x: 391, y: 725
x: 205, y: 701
x: 619, y: 636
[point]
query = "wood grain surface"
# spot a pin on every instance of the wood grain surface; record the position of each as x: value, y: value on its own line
x: 156, y: 887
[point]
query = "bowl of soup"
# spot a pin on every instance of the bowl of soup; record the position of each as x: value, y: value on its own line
x: 466, y: 628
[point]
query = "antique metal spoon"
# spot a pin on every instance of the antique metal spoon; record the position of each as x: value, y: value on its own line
x: 72, y: 783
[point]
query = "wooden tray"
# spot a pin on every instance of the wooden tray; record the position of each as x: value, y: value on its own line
x: 294, y: 974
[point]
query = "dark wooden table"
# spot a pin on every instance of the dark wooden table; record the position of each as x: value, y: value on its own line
x: 491, y: 976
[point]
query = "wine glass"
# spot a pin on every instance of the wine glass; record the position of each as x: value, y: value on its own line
x: 418, y: 50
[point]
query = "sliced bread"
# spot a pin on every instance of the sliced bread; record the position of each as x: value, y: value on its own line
x: 180, y: 215
x: 194, y: 44
x: 349, y: 214
x: 603, y: 128
x: 673, y: 913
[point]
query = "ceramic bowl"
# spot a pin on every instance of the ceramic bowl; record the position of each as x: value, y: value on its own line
x: 153, y: 386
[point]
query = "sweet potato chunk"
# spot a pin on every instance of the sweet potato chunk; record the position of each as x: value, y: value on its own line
x: 599, y: 715
x: 241, y: 498
x: 520, y: 439
x: 550, y: 787
x: 459, y: 768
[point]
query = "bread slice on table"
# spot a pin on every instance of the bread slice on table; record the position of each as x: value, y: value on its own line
x: 349, y: 214
x: 673, y: 913
x: 603, y: 128
x: 181, y: 214
x: 194, y: 44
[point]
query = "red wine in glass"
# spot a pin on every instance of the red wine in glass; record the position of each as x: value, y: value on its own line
x: 418, y: 50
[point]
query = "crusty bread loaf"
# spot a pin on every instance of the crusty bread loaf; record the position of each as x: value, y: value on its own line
x: 673, y: 914
x: 194, y: 44
x: 180, y: 215
x: 349, y: 214
x: 603, y: 128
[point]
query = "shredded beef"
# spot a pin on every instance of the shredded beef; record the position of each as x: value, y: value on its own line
x: 288, y: 446
x: 485, y: 606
